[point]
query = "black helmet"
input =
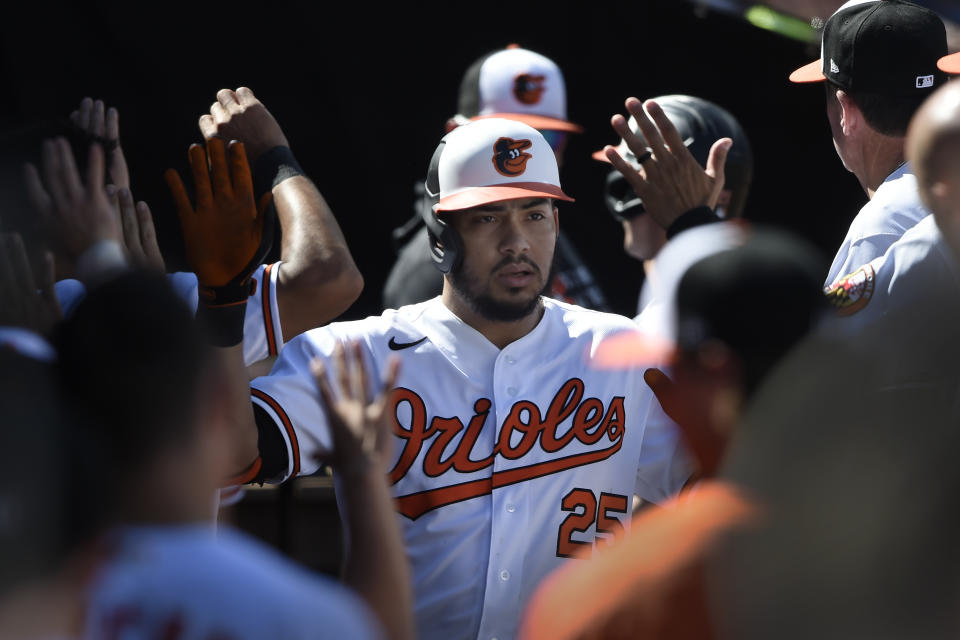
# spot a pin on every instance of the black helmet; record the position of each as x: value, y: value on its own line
x: 700, y: 123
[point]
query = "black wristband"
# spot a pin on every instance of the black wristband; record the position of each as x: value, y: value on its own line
x: 692, y: 218
x: 273, y: 167
x: 221, y: 311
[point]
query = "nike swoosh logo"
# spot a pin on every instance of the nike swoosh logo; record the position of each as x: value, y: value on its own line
x: 399, y: 346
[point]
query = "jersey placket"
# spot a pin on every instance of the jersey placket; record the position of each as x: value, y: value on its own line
x: 508, y: 517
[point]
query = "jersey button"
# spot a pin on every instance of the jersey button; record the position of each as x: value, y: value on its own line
x: 512, y: 391
x: 504, y: 575
x: 511, y: 508
x: 511, y: 360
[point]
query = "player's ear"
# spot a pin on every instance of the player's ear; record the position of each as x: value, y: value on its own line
x: 850, y: 114
x: 556, y: 221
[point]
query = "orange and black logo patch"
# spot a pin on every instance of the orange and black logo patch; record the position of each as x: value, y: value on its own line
x: 852, y: 292
x: 509, y: 157
x: 528, y: 89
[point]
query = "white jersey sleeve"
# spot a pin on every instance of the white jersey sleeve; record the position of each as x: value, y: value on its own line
x: 290, y: 398
x: 665, y: 463
x: 184, y: 582
x: 262, y: 333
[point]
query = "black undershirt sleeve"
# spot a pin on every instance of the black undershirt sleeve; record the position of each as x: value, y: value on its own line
x: 273, y: 448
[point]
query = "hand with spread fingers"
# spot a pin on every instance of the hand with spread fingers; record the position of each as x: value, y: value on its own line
x: 139, y: 234
x: 238, y: 115
x: 222, y: 233
x: 28, y: 302
x: 77, y: 214
x: 103, y: 126
x: 360, y: 424
x: 669, y: 180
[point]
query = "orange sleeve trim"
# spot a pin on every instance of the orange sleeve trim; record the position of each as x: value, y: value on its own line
x: 287, y: 425
x: 245, y: 476
x: 267, y: 310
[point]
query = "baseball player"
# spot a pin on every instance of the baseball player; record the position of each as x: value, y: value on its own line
x: 517, y: 84
x: 510, y: 452
x: 879, y: 62
x: 700, y: 124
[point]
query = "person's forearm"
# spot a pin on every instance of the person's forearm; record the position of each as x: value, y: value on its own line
x: 376, y: 565
x: 237, y: 411
x: 318, y: 278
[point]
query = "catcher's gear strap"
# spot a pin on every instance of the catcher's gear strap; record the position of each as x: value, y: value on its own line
x: 273, y: 448
x: 271, y: 168
x: 692, y: 218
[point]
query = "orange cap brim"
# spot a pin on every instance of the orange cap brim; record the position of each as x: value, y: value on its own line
x: 631, y: 349
x: 535, y: 121
x: 950, y: 63
x: 600, y: 156
x: 809, y: 73
x: 478, y: 196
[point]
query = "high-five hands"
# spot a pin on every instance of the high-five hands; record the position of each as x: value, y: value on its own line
x: 361, y: 425
x: 238, y: 115
x: 76, y: 213
x: 29, y: 300
x: 669, y: 180
x: 222, y: 233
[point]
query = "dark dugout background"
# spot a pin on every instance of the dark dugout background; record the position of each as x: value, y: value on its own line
x: 363, y: 91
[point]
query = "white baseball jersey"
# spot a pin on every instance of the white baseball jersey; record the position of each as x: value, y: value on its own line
x: 262, y: 333
x: 506, y: 460
x: 894, y: 208
x: 185, y: 583
x: 895, y: 306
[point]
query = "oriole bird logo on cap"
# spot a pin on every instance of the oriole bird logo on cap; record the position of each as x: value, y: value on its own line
x: 528, y: 88
x: 509, y: 157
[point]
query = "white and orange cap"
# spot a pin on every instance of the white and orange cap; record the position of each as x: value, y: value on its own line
x: 518, y: 84
x: 495, y: 159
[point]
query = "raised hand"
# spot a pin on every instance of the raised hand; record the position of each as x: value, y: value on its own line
x: 103, y: 126
x: 669, y: 180
x: 238, y: 115
x: 77, y: 214
x: 28, y: 301
x: 360, y: 424
x: 139, y: 234
x: 222, y: 233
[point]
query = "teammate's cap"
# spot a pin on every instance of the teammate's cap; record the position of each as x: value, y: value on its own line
x: 492, y: 160
x: 517, y: 84
x: 950, y: 63
x: 889, y: 47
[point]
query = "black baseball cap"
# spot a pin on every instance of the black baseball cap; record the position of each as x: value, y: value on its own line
x: 887, y: 47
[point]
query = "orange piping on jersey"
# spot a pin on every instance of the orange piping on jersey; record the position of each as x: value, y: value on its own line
x: 267, y: 315
x: 245, y: 476
x: 415, y: 505
x: 294, y: 445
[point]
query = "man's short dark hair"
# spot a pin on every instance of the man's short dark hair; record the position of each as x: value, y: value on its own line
x: 889, y: 115
x: 131, y: 361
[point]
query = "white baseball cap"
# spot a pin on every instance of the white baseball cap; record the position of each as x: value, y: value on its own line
x: 495, y: 159
x: 518, y: 84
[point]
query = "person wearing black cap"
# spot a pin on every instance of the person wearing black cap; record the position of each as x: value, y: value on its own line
x: 879, y: 63
x: 737, y: 312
